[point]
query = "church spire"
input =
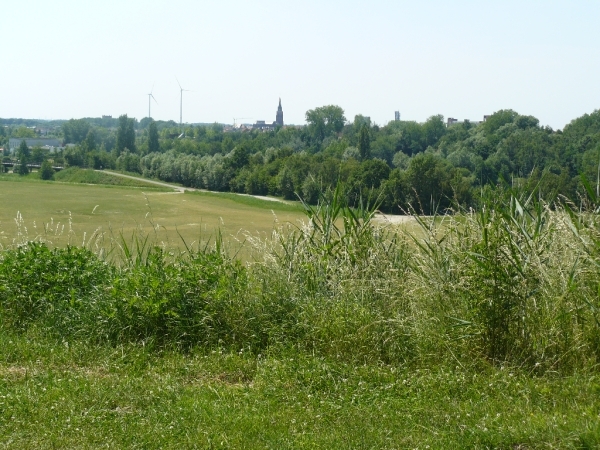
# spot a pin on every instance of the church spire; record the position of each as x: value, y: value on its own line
x: 279, y: 117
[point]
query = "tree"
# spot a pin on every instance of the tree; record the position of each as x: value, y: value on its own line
x: 434, y: 129
x: 372, y: 173
x: 22, y: 168
x: 128, y: 162
x: 46, y: 170
x: 360, y: 120
x: 75, y: 131
x: 239, y: 157
x: 38, y: 155
x: 412, y: 138
x: 89, y: 144
x: 427, y: 182
x: 125, y: 135
x: 23, y: 132
x: 286, y: 184
x: 324, y: 121
x: 498, y: 119
x: 145, y: 122
x: 401, y: 160
x: 74, y: 156
x: 23, y: 153
x: 153, y: 145
x: 364, y: 143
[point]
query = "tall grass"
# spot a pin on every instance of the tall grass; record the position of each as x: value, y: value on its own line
x: 514, y: 283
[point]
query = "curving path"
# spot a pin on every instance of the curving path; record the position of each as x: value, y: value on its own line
x: 182, y: 189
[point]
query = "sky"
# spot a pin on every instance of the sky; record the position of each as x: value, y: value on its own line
x: 70, y: 59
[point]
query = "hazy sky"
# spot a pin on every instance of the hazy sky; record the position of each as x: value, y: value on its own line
x: 68, y: 59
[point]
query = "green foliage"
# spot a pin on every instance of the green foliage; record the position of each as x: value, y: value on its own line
x: 23, y: 154
x: 23, y: 132
x: 128, y: 162
x: 364, y: 143
x: 504, y: 278
x: 74, y: 156
x: 434, y: 129
x: 427, y: 179
x: 23, y: 151
x: 75, y: 131
x: 153, y: 144
x: 182, y: 302
x: 125, y: 135
x: 46, y: 170
x: 89, y: 144
x: 49, y: 287
x: 38, y: 155
x: 324, y: 121
x: 294, y: 160
x: 499, y: 119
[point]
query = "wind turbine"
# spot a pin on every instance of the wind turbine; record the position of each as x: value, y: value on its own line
x: 181, y: 103
x: 151, y: 96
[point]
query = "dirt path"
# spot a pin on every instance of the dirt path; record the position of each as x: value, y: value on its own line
x: 181, y: 189
x: 157, y: 183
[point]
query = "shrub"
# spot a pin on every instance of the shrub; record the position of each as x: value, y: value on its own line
x: 46, y: 170
x: 181, y: 301
x: 49, y: 286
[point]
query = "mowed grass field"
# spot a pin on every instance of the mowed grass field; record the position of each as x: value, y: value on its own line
x: 64, y: 213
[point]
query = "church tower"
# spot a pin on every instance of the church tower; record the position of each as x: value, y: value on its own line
x: 279, y: 117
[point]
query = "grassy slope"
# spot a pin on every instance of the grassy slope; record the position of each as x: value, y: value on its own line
x: 55, y: 394
x: 77, y: 175
x: 124, y: 209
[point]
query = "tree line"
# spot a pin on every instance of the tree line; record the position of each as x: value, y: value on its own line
x: 405, y: 164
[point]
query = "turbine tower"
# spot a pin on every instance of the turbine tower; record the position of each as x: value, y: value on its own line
x: 181, y: 90
x: 149, y: 97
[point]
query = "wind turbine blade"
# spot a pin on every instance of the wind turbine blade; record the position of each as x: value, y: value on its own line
x: 179, y: 84
x: 153, y: 99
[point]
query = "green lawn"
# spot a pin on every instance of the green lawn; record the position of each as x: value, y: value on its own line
x: 71, y: 395
x: 67, y: 212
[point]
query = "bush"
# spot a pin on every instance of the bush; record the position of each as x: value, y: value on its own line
x: 49, y: 286
x: 46, y: 170
x: 179, y: 302
x: 22, y: 168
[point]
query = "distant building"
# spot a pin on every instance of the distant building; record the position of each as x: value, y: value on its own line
x: 397, y: 116
x: 264, y: 126
x: 13, y: 143
x: 106, y: 117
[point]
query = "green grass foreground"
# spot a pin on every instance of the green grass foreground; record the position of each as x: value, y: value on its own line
x: 66, y: 394
x: 481, y: 331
